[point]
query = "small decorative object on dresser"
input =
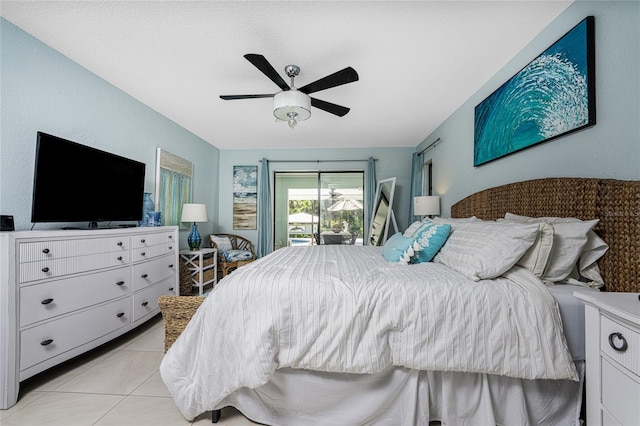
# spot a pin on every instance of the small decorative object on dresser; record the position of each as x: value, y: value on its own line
x: 612, y: 344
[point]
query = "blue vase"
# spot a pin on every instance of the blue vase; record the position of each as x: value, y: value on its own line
x: 147, y: 206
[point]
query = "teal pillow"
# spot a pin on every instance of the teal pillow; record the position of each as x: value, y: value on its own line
x: 398, y: 249
x: 430, y: 237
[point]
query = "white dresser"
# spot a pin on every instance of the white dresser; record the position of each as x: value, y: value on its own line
x: 612, y: 343
x: 65, y: 292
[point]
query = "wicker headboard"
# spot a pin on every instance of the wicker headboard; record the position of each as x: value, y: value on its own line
x: 615, y: 202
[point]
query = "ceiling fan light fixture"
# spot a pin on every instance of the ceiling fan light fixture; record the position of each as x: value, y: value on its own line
x: 291, y: 106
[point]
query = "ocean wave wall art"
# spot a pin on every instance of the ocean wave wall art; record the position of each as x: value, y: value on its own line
x: 550, y: 97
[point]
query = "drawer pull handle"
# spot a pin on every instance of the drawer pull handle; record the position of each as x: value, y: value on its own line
x: 120, y: 314
x: 119, y: 257
x: 170, y: 247
x: 46, y: 301
x: 120, y: 283
x: 144, y: 275
x: 120, y: 243
x: 45, y: 269
x: 45, y: 251
x: 612, y: 341
x: 170, y: 288
x: 143, y: 254
x: 143, y: 241
x: 46, y: 342
x: 171, y: 266
x: 145, y: 303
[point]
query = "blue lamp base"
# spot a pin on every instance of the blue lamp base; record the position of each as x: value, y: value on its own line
x: 194, y: 240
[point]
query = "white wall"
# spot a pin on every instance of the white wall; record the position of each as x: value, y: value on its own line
x: 610, y: 149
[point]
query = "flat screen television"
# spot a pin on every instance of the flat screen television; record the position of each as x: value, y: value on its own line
x: 76, y: 183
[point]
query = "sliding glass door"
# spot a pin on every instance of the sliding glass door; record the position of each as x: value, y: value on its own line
x: 318, y: 208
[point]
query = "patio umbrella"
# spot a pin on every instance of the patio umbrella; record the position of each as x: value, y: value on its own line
x: 303, y: 218
x: 346, y: 204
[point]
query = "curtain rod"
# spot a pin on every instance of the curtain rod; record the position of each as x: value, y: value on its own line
x: 432, y: 144
x: 313, y: 161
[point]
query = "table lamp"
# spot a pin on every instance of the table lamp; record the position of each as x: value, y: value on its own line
x: 426, y: 205
x: 194, y: 213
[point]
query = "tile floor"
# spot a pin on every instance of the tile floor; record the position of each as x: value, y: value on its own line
x: 115, y: 384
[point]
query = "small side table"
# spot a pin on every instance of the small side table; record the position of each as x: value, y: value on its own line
x: 201, y: 274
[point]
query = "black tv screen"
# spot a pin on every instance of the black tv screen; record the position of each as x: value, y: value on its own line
x: 77, y: 183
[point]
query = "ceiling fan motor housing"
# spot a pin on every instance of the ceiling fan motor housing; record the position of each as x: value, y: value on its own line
x: 291, y: 101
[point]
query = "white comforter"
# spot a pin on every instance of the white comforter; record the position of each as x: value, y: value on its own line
x: 344, y: 309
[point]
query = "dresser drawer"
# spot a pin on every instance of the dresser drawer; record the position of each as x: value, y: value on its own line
x: 620, y: 391
x: 34, y: 271
x: 52, y: 298
x: 145, y: 302
x: 45, y: 341
x: 152, y: 239
x: 613, y: 334
x: 149, y: 273
x: 58, y: 249
x: 146, y: 253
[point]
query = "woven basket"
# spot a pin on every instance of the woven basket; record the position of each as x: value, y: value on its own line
x: 176, y: 313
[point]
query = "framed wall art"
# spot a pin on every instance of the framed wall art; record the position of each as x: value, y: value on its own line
x: 174, y: 181
x: 245, y: 197
x: 552, y: 96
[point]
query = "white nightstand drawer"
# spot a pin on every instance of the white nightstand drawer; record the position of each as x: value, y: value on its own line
x: 620, y: 394
x: 615, y: 335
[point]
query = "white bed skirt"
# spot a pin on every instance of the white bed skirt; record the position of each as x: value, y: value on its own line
x: 400, y: 396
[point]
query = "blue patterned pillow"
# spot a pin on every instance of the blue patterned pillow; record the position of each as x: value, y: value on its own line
x: 398, y: 249
x: 430, y: 237
x: 236, y: 255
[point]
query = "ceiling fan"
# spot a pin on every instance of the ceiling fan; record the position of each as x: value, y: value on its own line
x: 294, y: 104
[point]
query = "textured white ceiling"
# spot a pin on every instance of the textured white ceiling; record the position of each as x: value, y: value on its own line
x: 418, y: 61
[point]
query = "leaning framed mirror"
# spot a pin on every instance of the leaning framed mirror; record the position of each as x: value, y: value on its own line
x: 382, y: 214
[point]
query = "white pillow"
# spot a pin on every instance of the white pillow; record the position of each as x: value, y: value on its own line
x: 537, y: 257
x: 486, y: 249
x: 411, y: 229
x: 569, y: 240
x: 223, y: 243
x: 455, y: 221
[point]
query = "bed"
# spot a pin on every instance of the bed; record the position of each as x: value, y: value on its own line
x: 333, y: 335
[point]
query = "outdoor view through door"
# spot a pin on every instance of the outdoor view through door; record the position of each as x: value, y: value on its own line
x: 318, y: 208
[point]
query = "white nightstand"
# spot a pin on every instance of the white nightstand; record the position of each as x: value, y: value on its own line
x: 203, y: 270
x: 612, y: 344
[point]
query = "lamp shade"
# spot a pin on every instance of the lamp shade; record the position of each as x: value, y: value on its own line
x: 194, y: 213
x: 428, y: 205
x: 291, y: 101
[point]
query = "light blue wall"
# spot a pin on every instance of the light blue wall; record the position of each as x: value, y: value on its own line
x: 610, y: 149
x: 43, y: 90
x: 390, y: 162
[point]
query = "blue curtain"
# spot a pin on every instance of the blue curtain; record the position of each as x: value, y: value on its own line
x: 265, y: 225
x: 416, y: 184
x: 369, y: 194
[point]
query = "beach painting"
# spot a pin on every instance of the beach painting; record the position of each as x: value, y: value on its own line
x: 552, y: 96
x: 245, y: 197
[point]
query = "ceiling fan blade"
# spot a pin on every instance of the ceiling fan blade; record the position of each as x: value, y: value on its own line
x: 233, y: 97
x: 263, y: 65
x: 347, y: 75
x: 338, y: 110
